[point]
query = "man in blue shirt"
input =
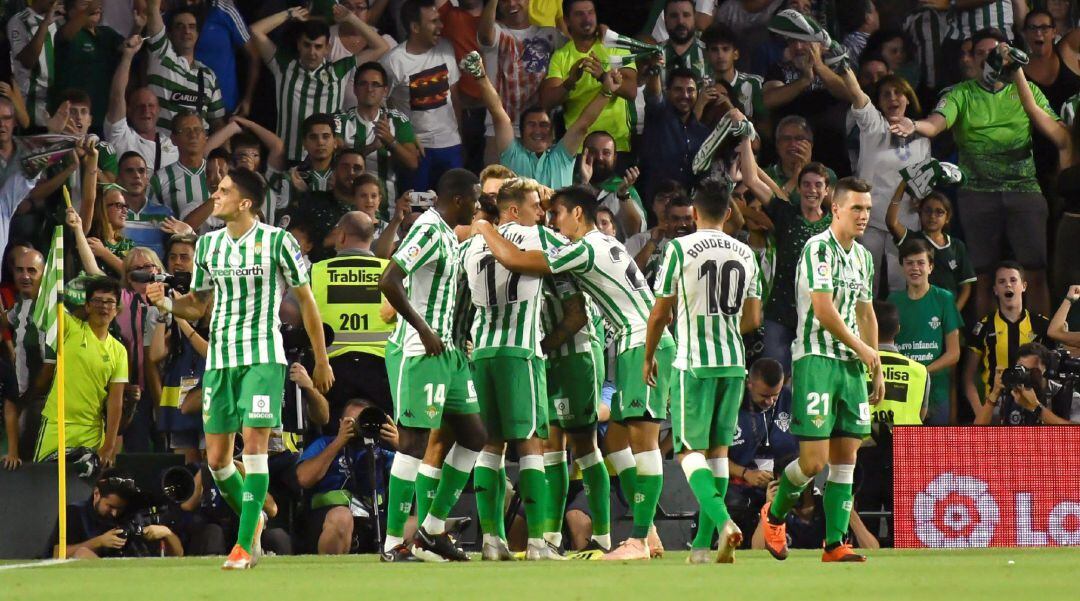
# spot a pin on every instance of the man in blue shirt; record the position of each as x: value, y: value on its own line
x: 335, y: 471
x: 673, y: 134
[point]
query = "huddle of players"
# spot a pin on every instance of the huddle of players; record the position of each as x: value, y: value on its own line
x: 538, y: 293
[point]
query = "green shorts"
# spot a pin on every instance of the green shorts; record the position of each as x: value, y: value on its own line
x: 635, y: 399
x: 238, y: 397
x: 828, y: 399
x: 573, y: 386
x: 393, y: 368
x: 512, y: 393
x: 426, y: 386
x: 705, y: 407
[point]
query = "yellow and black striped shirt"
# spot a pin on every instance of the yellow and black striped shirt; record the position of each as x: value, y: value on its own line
x: 998, y: 340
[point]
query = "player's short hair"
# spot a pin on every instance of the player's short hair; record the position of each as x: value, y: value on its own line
x: 102, y: 284
x: 456, y: 182
x: 719, y: 33
x: 514, y: 191
x: 313, y: 29
x: 768, y: 371
x: 712, y: 198
x: 578, y: 196
x: 495, y: 171
x: 370, y: 66
x: 250, y: 185
x: 178, y: 118
x: 532, y: 110
x: 916, y: 246
x: 1010, y: 264
x: 316, y: 119
x: 131, y: 154
x: 850, y: 185
x: 410, y: 12
x: 888, y: 319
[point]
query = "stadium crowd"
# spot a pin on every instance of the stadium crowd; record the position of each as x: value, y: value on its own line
x: 959, y: 113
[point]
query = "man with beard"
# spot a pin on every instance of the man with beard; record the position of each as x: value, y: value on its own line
x: 131, y: 123
x: 678, y: 222
x: 673, y: 133
x: 614, y: 192
x: 585, y: 53
x: 683, y: 49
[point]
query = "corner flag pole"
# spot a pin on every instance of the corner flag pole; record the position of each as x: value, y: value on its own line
x: 61, y: 434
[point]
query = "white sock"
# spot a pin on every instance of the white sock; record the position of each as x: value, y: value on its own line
x: 433, y: 525
x: 391, y: 542
x: 554, y: 458
x: 841, y: 473
x: 622, y: 460
x: 650, y: 463
x: 555, y: 538
x: 604, y: 540
x: 795, y: 474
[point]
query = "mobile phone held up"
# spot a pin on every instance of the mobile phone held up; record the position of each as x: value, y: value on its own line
x: 421, y: 201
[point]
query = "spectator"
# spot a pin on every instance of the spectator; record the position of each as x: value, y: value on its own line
x: 795, y: 150
x: 605, y: 221
x: 222, y: 36
x: 93, y: 526
x: 182, y: 186
x: 96, y: 377
x: 347, y: 41
x: 74, y: 117
x: 423, y: 79
x: 107, y: 218
x: 384, y: 136
x: 896, y: 49
x: 929, y: 328
x: 995, y: 340
x: 181, y: 83
x: 665, y: 191
x: 1046, y: 67
x: 926, y: 27
x: 750, y: 18
x: 517, y: 53
x: 316, y: 170
x: 565, y: 85
x: 1038, y: 400
x: 673, y: 133
x: 1000, y: 198
x: 616, y: 193
x: 678, y: 222
x: 307, y: 82
x: 321, y: 209
x: 131, y: 124
x: 336, y: 470
x: 881, y: 156
x: 368, y: 199
x: 31, y: 34
x: 953, y: 271
x: 136, y: 331
x: 87, y: 53
x: 460, y: 21
x: 1059, y: 327
x: 965, y: 22
x: 762, y: 438
x: 248, y: 140
x: 28, y: 366
x: 722, y: 49
x: 683, y: 48
x: 860, y: 19
x: 147, y: 220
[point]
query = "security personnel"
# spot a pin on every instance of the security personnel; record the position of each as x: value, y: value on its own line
x: 346, y: 289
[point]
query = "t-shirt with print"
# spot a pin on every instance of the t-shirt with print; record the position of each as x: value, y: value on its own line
x: 420, y: 88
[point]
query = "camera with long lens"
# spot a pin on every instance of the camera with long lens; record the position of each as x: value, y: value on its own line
x: 368, y: 423
x: 179, y: 281
x: 1063, y: 366
x: 1019, y: 376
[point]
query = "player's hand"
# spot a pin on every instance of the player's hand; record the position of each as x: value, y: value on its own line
x: 323, y: 378
x: 877, y: 391
x: 156, y: 532
x: 868, y: 356
x: 300, y: 376
x: 155, y: 293
x: 107, y: 455
x: 649, y: 372
x: 433, y: 345
x: 112, y: 540
x: 758, y: 478
x: 11, y: 461
x: 346, y: 431
x: 388, y: 432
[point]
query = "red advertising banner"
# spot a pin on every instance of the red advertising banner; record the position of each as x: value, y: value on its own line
x: 986, y: 486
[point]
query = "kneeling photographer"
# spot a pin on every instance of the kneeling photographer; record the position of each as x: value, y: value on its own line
x: 111, y: 524
x: 345, y: 477
x: 1039, y: 389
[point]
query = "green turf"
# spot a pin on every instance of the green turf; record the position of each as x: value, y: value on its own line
x: 1039, y: 574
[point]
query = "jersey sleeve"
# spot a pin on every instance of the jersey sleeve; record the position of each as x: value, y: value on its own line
x: 215, y: 108
x: 569, y: 259
x: 950, y: 105
x: 977, y: 337
x: 866, y: 292
x: 403, y: 130
x: 18, y: 35
x: 951, y: 320
x: 119, y: 373
x: 417, y: 249
x: 200, y: 276
x: 755, y: 284
x: 160, y: 46
x: 291, y: 261
x: 818, y: 266
x: 670, y: 268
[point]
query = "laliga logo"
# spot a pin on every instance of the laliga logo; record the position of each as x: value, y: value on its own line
x: 955, y: 511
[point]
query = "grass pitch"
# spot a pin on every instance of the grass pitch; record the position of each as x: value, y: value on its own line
x: 1040, y: 574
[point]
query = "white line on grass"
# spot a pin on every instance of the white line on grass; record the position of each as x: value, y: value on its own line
x: 35, y: 564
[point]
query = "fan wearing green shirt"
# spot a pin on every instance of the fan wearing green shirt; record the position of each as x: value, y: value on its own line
x: 1001, y: 198
x: 929, y: 328
x: 566, y: 85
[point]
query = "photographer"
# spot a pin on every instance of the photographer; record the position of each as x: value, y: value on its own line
x: 1024, y: 395
x: 335, y: 471
x: 97, y: 527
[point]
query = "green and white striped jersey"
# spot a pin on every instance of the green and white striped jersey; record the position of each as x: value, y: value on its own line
x: 429, y: 256
x: 507, y: 321
x: 826, y: 267
x: 358, y: 133
x: 302, y: 93
x: 997, y: 14
x: 179, y: 188
x: 34, y: 82
x: 711, y: 274
x: 180, y: 86
x: 249, y: 276
x: 749, y: 94
x: 557, y: 289
x: 608, y: 274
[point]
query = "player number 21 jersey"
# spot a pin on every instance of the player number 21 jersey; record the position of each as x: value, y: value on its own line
x: 711, y: 275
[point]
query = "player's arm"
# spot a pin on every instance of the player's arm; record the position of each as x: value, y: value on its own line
x: 659, y: 318
x: 392, y: 286
x: 574, y: 318
x: 191, y: 306
x: 529, y: 262
x: 827, y: 315
x: 323, y: 376
x: 950, y: 357
x: 868, y: 332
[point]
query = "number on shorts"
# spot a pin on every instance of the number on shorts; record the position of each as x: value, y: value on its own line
x: 435, y: 395
x: 813, y: 400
